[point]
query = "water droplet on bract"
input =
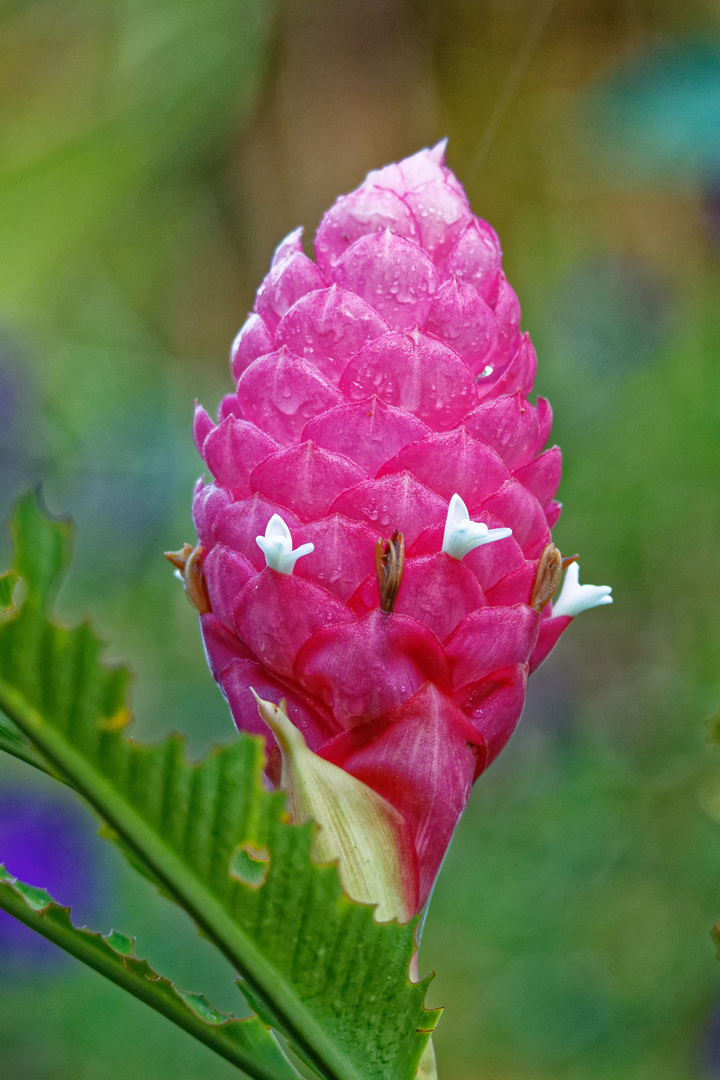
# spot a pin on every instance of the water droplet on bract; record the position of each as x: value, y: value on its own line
x: 403, y: 689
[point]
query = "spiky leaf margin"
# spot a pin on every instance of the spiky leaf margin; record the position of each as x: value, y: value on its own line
x: 245, y: 1043
x: 314, y: 964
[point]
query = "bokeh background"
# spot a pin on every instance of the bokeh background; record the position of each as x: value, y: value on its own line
x: 153, y: 152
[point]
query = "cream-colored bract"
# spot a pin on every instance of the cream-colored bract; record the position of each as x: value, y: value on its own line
x: 358, y: 828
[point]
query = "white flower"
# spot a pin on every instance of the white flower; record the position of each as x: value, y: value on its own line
x: 463, y: 535
x: 575, y: 597
x: 277, y: 547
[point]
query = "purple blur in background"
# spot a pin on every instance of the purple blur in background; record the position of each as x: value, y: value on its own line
x: 45, y: 841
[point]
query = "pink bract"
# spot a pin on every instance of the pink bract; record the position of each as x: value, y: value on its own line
x: 372, y: 385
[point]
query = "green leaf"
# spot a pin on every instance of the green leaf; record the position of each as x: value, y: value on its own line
x: 13, y: 743
x: 314, y: 964
x: 7, y: 588
x: 246, y: 1043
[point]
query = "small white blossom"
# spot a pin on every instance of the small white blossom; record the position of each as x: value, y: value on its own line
x: 463, y: 535
x: 575, y: 597
x: 277, y: 547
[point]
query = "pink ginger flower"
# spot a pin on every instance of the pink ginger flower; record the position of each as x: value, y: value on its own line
x: 375, y: 544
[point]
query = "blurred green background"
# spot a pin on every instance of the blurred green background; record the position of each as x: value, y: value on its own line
x: 152, y: 153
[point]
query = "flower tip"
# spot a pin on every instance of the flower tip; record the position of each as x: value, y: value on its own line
x: 289, y: 738
x: 437, y: 152
x: 291, y: 245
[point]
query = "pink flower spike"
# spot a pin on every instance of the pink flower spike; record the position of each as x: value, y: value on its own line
x: 382, y: 423
x: 277, y: 547
x: 463, y: 535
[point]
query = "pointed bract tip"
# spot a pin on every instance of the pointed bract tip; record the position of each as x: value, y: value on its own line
x: 291, y: 245
x: 359, y: 829
x: 437, y: 152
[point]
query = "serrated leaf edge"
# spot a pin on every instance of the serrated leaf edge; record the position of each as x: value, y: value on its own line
x: 113, y: 955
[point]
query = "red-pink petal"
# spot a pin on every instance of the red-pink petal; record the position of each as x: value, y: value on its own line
x: 495, y: 705
x: 253, y: 340
x: 237, y: 525
x: 439, y: 592
x: 226, y: 573
x: 550, y: 631
x: 507, y: 313
x: 450, y: 463
x: 415, y: 371
x: 306, y: 478
x: 441, y: 213
x: 276, y: 614
x: 393, y: 275
x: 281, y: 393
x: 368, y: 432
x: 209, y: 500
x: 424, y: 166
x: 363, y: 212
x: 436, y: 590
x: 545, y: 419
x: 516, y: 508
x: 287, y: 248
x: 394, y: 502
x: 460, y: 317
x: 518, y: 375
x: 477, y: 259
x: 364, y: 668
x: 344, y: 554
x: 508, y: 424
x: 491, y: 638
x: 229, y: 406
x: 222, y: 646
x: 233, y: 449
x: 553, y: 510
x: 542, y: 476
x: 202, y: 426
x: 241, y: 675
x: 515, y: 588
x: 421, y: 757
x: 291, y: 276
x: 328, y: 327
